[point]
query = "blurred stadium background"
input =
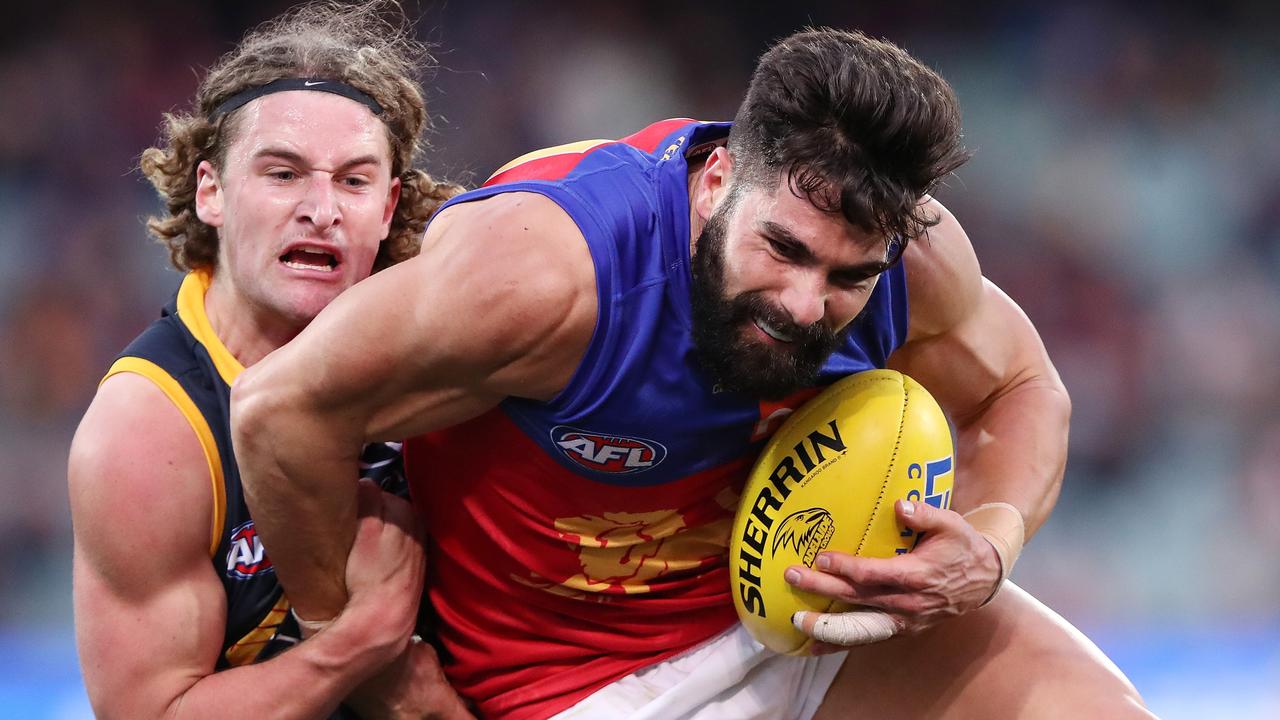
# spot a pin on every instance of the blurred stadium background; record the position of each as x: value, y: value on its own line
x: 1126, y: 191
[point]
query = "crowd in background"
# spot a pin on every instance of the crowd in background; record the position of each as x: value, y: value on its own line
x: 1125, y: 191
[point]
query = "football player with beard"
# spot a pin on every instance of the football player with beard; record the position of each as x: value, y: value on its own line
x: 591, y: 350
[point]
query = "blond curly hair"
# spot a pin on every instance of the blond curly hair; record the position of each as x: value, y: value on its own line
x: 367, y: 45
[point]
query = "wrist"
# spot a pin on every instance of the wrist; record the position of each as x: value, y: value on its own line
x: 308, y: 628
x: 357, y: 639
x: 1003, y: 527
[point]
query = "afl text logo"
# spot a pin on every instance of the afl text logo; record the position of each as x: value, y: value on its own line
x: 616, y: 454
x: 245, y: 557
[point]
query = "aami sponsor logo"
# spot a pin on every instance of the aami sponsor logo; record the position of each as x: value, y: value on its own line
x: 246, y: 557
x: 617, y: 454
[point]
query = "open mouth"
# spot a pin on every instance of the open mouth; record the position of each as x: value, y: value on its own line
x: 774, y: 332
x: 304, y: 258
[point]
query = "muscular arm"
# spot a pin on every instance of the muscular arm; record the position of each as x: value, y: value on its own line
x: 150, y: 610
x: 981, y: 358
x: 501, y: 302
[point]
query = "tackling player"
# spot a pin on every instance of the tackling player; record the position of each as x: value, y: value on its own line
x: 291, y: 179
x: 595, y: 346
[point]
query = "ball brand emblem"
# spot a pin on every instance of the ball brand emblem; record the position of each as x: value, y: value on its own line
x: 807, y: 532
x: 601, y: 452
x: 246, y: 556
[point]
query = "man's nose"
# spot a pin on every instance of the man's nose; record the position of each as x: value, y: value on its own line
x: 319, y: 205
x: 805, y: 297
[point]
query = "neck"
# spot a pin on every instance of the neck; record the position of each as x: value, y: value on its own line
x: 248, y: 332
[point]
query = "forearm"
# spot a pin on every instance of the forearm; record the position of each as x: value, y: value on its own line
x: 307, y: 681
x: 299, y: 472
x: 1014, y: 451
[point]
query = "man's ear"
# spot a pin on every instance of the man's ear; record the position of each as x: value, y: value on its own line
x: 713, y: 185
x: 209, y: 197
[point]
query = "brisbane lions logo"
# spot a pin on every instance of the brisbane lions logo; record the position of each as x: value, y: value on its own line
x: 621, y: 553
x: 807, y: 532
x: 246, y: 557
x: 615, y: 454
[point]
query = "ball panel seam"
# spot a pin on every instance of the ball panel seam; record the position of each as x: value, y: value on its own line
x: 893, y: 462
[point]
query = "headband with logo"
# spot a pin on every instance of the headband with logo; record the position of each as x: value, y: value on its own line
x: 336, y: 87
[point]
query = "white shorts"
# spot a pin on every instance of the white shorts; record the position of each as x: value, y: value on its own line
x: 730, y: 677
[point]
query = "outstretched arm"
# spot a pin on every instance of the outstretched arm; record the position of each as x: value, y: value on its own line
x: 501, y: 302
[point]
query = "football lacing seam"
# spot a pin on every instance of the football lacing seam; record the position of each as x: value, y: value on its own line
x: 893, y: 461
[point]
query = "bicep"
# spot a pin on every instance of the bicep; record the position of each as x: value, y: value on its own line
x: 990, y: 349
x: 149, y: 609
x: 141, y: 648
x: 968, y: 342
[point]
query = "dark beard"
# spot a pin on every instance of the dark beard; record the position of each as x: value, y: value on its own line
x: 738, y: 363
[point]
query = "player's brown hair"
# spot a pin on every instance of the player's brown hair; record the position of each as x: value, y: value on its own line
x: 856, y: 125
x: 366, y: 45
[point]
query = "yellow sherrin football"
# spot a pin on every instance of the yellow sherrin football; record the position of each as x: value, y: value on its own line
x: 828, y: 481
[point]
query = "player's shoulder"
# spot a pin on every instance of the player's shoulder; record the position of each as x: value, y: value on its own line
x: 138, y: 476
x: 136, y: 438
x: 525, y: 240
x: 523, y: 264
x: 499, y: 213
x: 944, y: 280
x: 584, y: 159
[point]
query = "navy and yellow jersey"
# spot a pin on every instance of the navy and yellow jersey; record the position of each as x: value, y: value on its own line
x: 181, y: 354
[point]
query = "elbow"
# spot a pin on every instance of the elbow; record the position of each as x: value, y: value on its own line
x: 1052, y: 402
x: 1057, y: 405
x: 1062, y: 401
x: 254, y: 407
x: 256, y: 416
x: 1051, y: 398
x: 247, y: 403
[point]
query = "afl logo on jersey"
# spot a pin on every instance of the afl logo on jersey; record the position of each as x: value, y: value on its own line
x: 615, y: 454
x: 245, y: 557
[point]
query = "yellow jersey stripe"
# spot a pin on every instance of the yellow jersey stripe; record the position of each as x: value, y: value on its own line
x: 576, y: 147
x: 178, y: 395
x: 191, y: 312
x: 247, y: 648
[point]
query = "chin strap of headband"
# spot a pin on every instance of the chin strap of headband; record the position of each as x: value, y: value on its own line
x: 336, y: 87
